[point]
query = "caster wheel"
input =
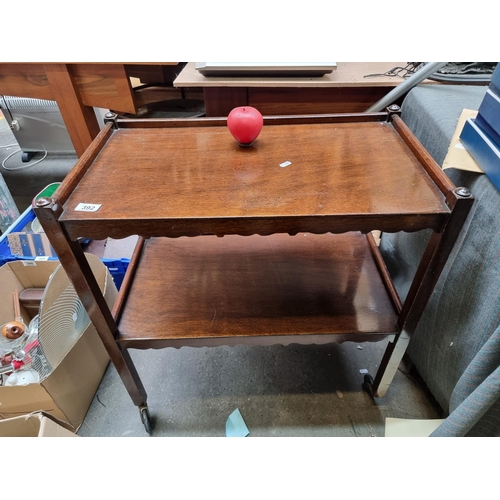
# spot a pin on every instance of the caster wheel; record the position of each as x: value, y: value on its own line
x: 146, y: 419
x: 368, y: 385
x: 27, y: 156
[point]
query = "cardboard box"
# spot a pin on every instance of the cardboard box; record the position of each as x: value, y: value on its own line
x: 37, y: 424
x: 67, y: 392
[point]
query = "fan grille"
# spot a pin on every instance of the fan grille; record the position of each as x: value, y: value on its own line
x: 62, y: 325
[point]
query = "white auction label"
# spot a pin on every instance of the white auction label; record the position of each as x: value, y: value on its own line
x: 87, y: 207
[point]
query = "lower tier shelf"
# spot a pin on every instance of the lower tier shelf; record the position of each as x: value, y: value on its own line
x: 207, y: 291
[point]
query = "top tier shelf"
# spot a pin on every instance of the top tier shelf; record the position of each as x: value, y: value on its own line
x: 189, y: 177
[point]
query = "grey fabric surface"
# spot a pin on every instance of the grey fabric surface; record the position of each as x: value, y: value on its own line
x: 454, y: 347
x: 432, y: 112
x: 476, y: 395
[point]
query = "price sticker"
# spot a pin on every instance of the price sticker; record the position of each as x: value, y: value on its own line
x: 87, y: 207
x: 29, y: 263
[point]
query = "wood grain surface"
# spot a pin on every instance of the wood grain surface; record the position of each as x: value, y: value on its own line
x: 201, y: 291
x: 198, y: 180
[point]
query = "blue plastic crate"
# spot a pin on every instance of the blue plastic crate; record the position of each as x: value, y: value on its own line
x: 116, y: 267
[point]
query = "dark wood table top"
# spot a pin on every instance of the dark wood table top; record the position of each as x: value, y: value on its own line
x: 198, y: 180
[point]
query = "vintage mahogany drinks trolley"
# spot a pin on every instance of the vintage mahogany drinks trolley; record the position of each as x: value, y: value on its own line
x: 260, y: 245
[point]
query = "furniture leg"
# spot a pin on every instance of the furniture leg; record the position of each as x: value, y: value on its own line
x: 80, y: 120
x: 389, y: 364
x: 75, y: 264
x: 433, y: 261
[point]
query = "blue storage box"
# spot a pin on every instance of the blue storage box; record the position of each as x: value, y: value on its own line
x: 488, y: 115
x: 116, y: 267
x: 483, y: 149
x: 481, y: 135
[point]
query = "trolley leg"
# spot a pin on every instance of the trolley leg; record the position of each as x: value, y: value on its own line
x: 389, y: 365
x: 74, y: 262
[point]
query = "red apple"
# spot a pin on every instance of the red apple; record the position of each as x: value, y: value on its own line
x: 245, y: 124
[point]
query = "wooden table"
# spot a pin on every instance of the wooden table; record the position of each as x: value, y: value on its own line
x: 78, y: 87
x: 345, y: 90
x: 236, y: 248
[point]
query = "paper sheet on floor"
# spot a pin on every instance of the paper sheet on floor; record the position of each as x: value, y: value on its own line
x: 235, y: 425
x: 457, y: 156
x: 403, y: 427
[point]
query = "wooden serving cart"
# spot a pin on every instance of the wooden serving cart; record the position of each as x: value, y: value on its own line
x: 260, y: 245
